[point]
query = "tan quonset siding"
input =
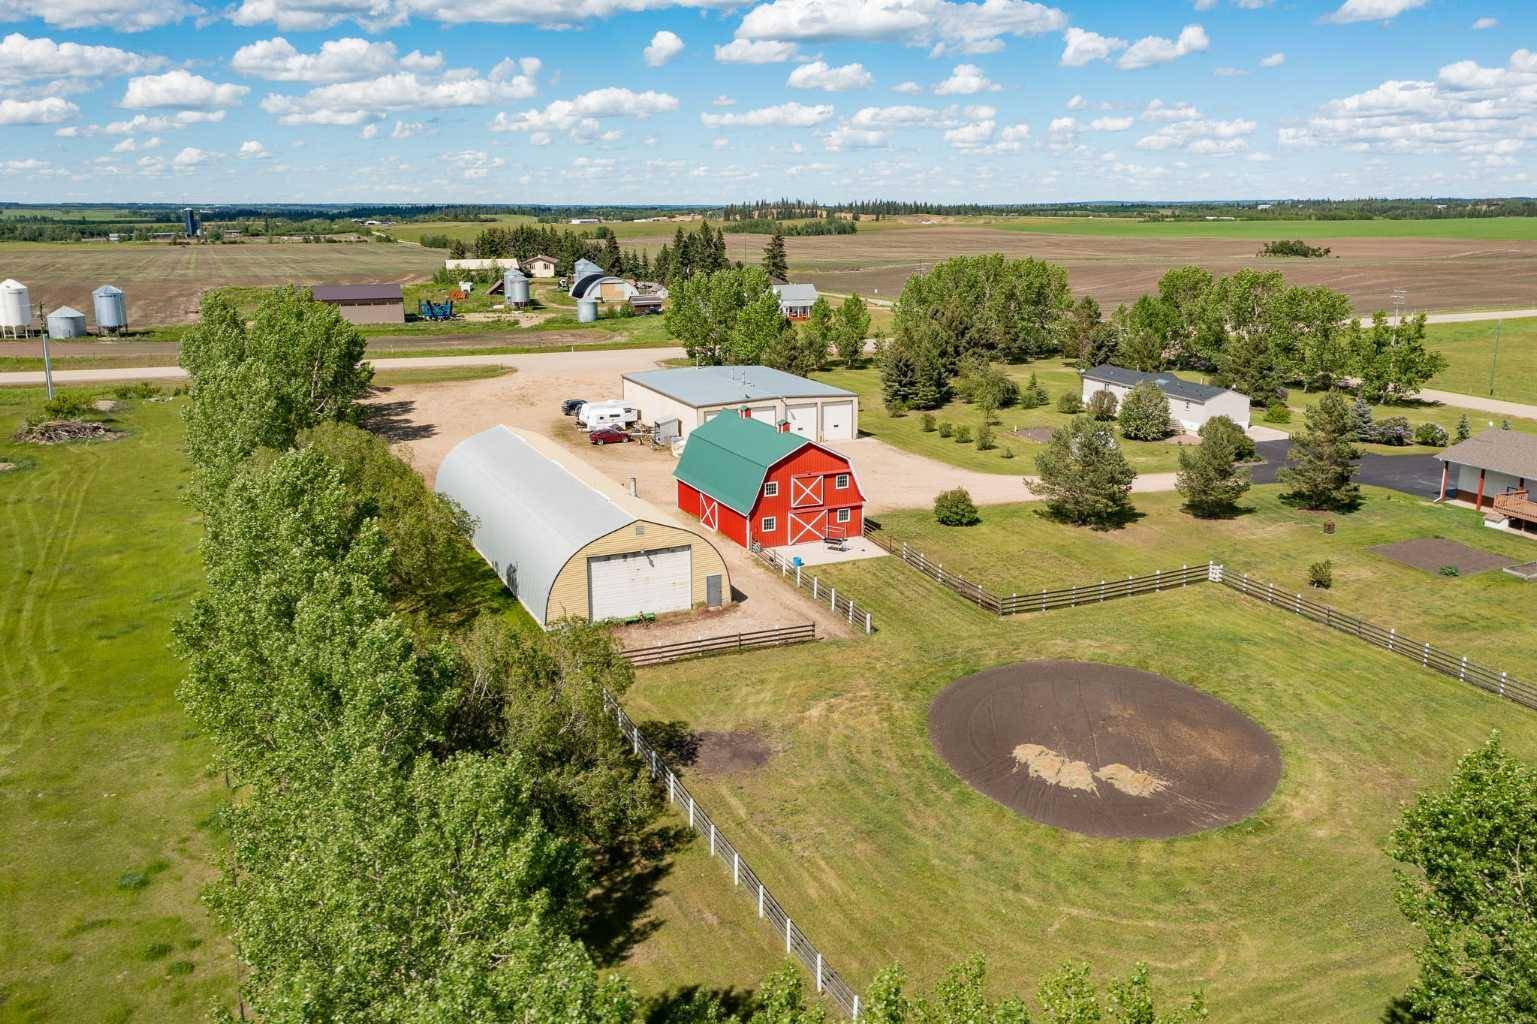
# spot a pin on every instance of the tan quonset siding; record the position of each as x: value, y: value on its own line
x: 568, y: 594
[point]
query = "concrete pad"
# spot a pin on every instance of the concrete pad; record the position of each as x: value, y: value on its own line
x: 1259, y: 433
x: 856, y: 548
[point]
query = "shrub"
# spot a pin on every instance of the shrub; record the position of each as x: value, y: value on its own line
x: 1450, y: 570
x: 985, y: 438
x: 1069, y: 403
x: 1231, y: 433
x: 1278, y: 412
x: 67, y: 405
x: 945, y: 430
x: 1430, y: 434
x: 1033, y: 394
x: 1102, y: 405
x: 963, y: 434
x: 1006, y: 452
x: 928, y: 423
x: 955, y: 508
x: 1321, y: 575
x: 1145, y: 413
x: 1329, y: 526
x: 896, y: 408
x: 138, y: 389
x: 1394, y: 431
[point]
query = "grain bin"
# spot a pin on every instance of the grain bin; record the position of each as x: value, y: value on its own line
x: 586, y: 311
x: 66, y: 322
x: 111, y: 309
x: 15, y: 308
x: 515, y: 288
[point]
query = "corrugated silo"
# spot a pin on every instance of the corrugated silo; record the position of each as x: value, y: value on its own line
x: 586, y: 311
x: 515, y: 288
x: 66, y: 322
x: 15, y: 308
x: 111, y: 309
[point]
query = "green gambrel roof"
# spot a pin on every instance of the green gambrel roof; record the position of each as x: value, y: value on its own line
x: 729, y: 456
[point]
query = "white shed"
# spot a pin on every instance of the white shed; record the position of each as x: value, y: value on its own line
x: 1190, y: 404
x: 694, y: 394
x: 569, y: 543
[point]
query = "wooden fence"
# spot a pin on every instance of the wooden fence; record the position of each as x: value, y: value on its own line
x: 743, y: 879
x: 839, y: 604
x: 1428, y: 656
x: 662, y: 653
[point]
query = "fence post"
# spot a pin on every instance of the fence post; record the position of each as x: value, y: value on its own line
x: 856, y: 1006
x: 1425, y: 656
x: 1297, y: 604
x: 1184, y: 574
x: 832, y: 601
x: 851, y: 613
x: 712, y: 840
x: 736, y: 869
x: 1043, y: 599
x: 1462, y: 671
x: 1502, y: 684
x: 819, y: 972
x: 1392, y: 640
x: 1157, y: 580
x: 691, y: 810
x: 760, y: 899
x: 867, y: 623
x: 671, y: 781
x: 635, y: 741
x: 1101, y: 591
x: 815, y: 583
x: 789, y: 935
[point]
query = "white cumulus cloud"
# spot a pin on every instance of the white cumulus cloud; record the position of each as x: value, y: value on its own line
x: 946, y: 26
x: 190, y: 159
x: 819, y: 75
x: 25, y: 59
x: 119, y: 15
x: 1150, y: 50
x: 664, y: 46
x: 49, y: 110
x: 337, y: 60
x: 755, y: 51
x: 785, y: 115
x: 581, y: 117
x: 1084, y: 47
x: 1110, y: 124
x: 1275, y: 60
x: 251, y: 149
x: 966, y: 80
x: 351, y: 103
x: 180, y: 88
x: 1372, y: 10
x: 1485, y: 23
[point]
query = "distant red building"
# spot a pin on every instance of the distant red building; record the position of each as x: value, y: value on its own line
x: 745, y: 479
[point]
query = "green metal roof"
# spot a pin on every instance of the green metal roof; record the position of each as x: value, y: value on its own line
x: 729, y: 456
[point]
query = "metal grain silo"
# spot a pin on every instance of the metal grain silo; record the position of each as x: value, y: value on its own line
x: 111, y: 309
x: 515, y: 288
x: 15, y: 308
x: 66, y: 322
x: 586, y: 311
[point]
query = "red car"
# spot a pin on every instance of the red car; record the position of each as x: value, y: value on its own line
x: 608, y: 435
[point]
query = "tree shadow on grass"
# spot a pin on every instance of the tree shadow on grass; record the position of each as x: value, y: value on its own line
x: 1220, y: 515
x: 627, y: 876
x: 692, y: 1004
x: 1102, y: 524
x: 675, y: 741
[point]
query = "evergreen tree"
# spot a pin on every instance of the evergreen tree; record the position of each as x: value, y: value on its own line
x: 1464, y: 429
x: 1084, y: 476
x: 775, y: 262
x: 851, y: 328
x: 613, y: 259
x: 1209, y: 478
x: 1321, y: 467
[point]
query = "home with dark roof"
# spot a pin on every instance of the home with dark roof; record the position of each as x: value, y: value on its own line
x: 1190, y: 404
x: 757, y: 485
x: 1494, y: 471
x: 364, y: 303
x: 694, y: 395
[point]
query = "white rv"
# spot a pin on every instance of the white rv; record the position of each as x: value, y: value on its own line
x: 593, y: 415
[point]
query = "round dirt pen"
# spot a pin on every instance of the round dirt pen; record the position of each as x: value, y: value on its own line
x: 1104, y: 750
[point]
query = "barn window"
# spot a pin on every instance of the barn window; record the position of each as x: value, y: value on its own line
x: 771, y: 489
x: 767, y: 524
x: 841, y: 481
x: 640, y: 529
x: 844, y: 515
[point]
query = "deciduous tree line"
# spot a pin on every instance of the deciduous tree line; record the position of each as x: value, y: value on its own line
x: 1254, y: 332
x: 425, y: 798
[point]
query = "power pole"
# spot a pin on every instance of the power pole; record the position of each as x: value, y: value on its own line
x: 1495, y: 358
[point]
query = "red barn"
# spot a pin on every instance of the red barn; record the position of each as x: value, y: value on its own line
x: 743, y: 478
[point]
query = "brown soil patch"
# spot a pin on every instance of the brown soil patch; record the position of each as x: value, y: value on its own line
x: 1184, y: 439
x: 726, y: 753
x: 1040, y: 435
x: 1433, y: 553
x: 64, y: 431
x: 1104, y: 750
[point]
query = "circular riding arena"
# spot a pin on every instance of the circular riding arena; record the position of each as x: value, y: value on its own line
x: 1104, y: 750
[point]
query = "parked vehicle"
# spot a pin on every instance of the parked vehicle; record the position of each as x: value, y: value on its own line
x: 571, y: 406
x: 608, y: 435
x: 593, y: 415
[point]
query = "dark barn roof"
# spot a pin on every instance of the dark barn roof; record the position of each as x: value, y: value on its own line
x: 357, y: 293
x: 1168, y: 383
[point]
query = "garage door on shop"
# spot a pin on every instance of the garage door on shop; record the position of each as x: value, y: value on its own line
x: 803, y: 420
x: 640, y: 582
x: 837, y: 421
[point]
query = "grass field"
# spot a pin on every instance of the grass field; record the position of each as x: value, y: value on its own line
x: 882, y: 853
x: 1490, y: 228
x: 107, y: 839
x: 1470, y: 351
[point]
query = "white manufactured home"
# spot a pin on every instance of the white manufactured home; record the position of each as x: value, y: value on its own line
x: 1190, y: 404
x: 694, y: 395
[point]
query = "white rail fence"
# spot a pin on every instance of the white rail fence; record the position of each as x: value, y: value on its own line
x: 743, y: 878
x: 821, y: 593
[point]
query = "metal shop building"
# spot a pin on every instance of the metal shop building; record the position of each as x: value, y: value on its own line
x: 364, y: 303
x: 567, y: 541
x: 742, y: 478
x: 694, y: 395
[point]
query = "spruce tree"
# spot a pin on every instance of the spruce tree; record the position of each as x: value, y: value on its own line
x: 613, y: 259
x: 775, y: 261
x: 1209, y: 478
x: 1464, y: 429
x: 1085, y: 477
x: 1321, y: 468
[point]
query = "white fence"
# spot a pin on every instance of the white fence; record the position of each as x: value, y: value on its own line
x: 839, y: 604
x: 743, y: 879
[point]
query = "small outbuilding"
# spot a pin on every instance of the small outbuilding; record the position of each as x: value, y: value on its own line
x: 1190, y: 404
x: 757, y: 485
x: 569, y: 542
x: 1494, y: 470
x: 796, y: 300
x: 694, y: 395
x: 539, y: 266
x: 364, y: 303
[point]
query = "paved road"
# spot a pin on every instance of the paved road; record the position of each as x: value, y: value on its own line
x: 1419, y: 475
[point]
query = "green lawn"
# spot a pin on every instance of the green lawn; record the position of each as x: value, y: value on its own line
x: 881, y: 852
x: 1469, y: 349
x: 1492, y: 228
x: 105, y: 802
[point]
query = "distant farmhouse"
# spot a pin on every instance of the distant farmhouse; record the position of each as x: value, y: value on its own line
x: 364, y: 303
x: 1494, y: 471
x: 1190, y: 404
x: 796, y: 300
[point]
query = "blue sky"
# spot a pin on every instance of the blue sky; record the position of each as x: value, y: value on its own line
x: 708, y: 101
